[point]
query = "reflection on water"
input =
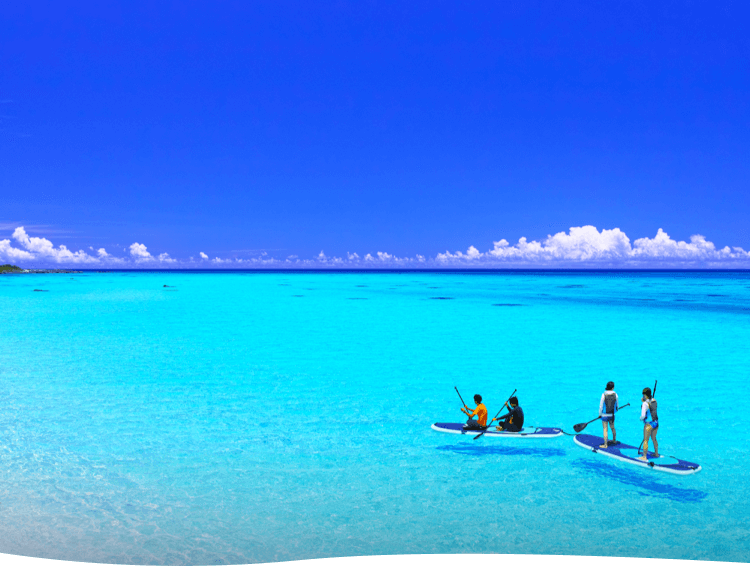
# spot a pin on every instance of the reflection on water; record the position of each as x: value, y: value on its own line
x: 470, y: 450
x: 645, y: 482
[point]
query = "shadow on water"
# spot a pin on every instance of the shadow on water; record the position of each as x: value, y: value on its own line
x: 636, y: 478
x: 502, y: 451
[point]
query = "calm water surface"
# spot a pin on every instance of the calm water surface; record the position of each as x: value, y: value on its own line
x: 252, y: 417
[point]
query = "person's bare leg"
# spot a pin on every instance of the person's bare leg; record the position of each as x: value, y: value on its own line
x: 604, y: 434
x: 614, y: 432
x: 646, y: 435
x: 656, y: 444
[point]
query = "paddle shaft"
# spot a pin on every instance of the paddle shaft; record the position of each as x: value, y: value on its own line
x: 500, y: 411
x: 459, y: 396
x: 592, y: 420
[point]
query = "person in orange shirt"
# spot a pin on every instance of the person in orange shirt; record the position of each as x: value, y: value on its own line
x: 480, y: 413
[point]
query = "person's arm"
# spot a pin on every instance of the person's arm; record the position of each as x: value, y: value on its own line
x: 617, y: 402
x: 644, y: 410
x: 471, y: 414
x: 601, y: 405
x: 501, y: 417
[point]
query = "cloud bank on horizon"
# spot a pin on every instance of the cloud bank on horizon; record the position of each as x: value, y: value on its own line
x: 583, y: 246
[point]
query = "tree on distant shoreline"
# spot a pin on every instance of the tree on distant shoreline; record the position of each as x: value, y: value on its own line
x: 9, y: 267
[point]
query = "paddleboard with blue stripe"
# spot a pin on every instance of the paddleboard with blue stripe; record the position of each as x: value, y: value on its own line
x: 629, y: 454
x: 525, y: 432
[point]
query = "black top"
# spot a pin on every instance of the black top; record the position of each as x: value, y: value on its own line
x: 515, y: 416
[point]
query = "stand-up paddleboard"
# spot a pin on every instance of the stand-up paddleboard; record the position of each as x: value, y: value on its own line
x: 525, y: 432
x: 630, y: 455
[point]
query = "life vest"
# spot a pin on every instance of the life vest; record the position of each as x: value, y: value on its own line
x: 610, y: 399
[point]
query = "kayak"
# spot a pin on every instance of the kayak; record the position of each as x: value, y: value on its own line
x: 525, y: 432
x: 630, y: 455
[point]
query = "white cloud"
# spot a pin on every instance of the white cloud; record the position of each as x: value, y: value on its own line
x: 139, y: 252
x: 42, y: 248
x: 585, y: 245
x: 9, y: 252
x: 662, y: 247
x: 384, y: 258
x: 42, y: 251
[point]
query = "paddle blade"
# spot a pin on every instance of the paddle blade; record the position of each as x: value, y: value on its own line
x: 481, y: 433
x: 579, y: 427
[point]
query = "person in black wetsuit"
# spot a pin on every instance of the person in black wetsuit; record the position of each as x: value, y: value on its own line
x: 513, y: 419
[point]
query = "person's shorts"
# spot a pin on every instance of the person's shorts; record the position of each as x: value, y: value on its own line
x: 653, y: 425
x: 609, y: 419
x: 471, y: 424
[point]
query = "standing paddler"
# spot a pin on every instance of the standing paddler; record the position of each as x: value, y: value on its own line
x: 650, y: 420
x: 608, y: 406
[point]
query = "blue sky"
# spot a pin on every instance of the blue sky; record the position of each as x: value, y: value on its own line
x: 273, y: 129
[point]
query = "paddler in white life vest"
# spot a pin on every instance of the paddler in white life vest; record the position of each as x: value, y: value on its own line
x: 650, y: 420
x: 608, y: 406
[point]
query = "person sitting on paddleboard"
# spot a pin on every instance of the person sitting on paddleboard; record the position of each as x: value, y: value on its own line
x: 650, y: 420
x: 512, y: 420
x: 608, y: 406
x: 480, y: 413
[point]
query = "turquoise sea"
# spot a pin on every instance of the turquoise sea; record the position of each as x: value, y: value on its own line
x: 242, y: 417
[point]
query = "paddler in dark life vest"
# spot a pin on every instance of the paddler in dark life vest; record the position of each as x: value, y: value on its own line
x: 512, y: 420
x: 650, y: 420
x: 480, y: 413
x: 608, y: 406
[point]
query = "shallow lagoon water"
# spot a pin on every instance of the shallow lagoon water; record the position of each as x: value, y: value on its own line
x: 249, y: 417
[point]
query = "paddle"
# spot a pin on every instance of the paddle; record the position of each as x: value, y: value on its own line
x: 462, y: 399
x: 459, y: 396
x: 579, y: 427
x: 493, y: 420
